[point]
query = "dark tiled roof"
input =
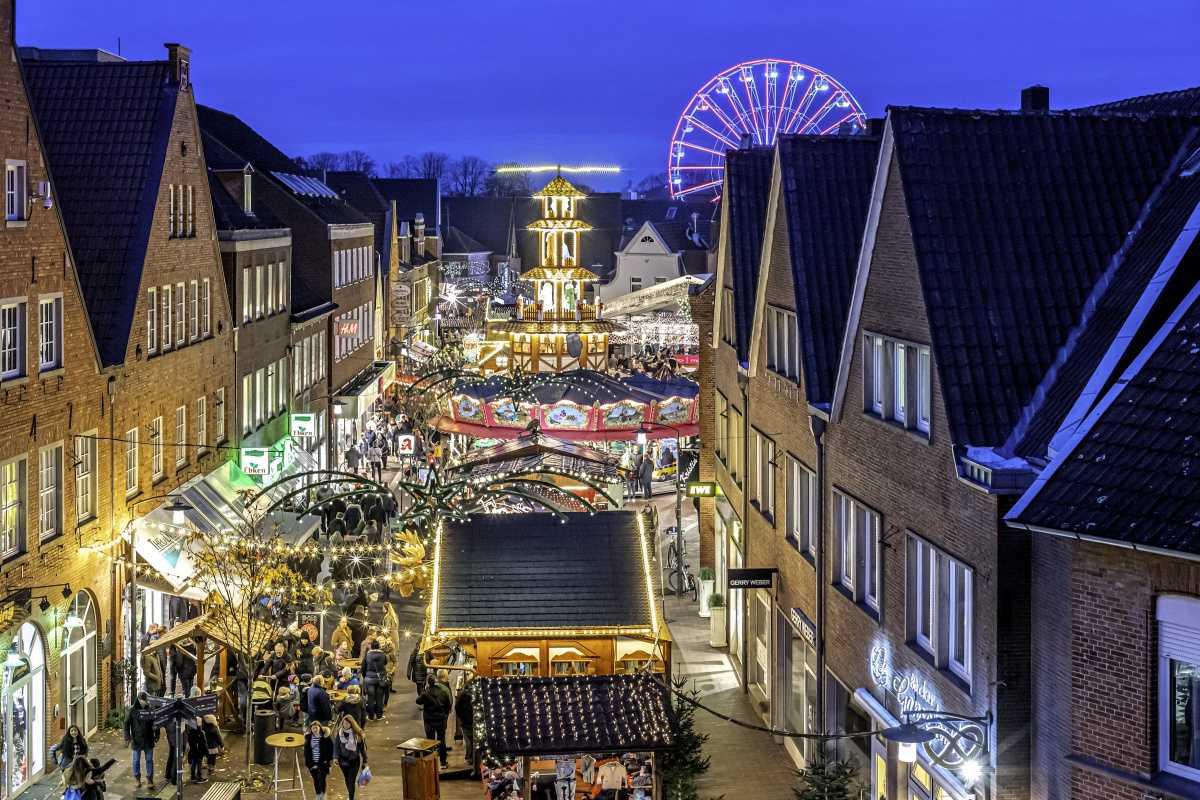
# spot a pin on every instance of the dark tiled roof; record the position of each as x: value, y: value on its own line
x: 827, y: 182
x: 747, y: 185
x: 105, y: 127
x: 455, y: 241
x: 244, y: 140
x: 229, y: 214
x: 677, y: 236
x: 489, y: 220
x: 1014, y: 217
x: 358, y: 190
x: 1184, y: 100
x: 220, y: 158
x: 1131, y: 476
x: 571, y: 714
x: 412, y: 196
x: 502, y: 571
x: 1160, y: 226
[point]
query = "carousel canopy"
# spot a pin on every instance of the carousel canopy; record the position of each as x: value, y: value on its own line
x: 534, y: 452
x: 585, y: 386
x: 573, y: 714
x: 514, y: 574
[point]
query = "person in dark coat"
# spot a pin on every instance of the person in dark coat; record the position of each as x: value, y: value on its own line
x: 318, y: 706
x: 350, y: 751
x: 646, y: 474
x: 374, y: 669
x: 464, y: 714
x: 352, y: 705
x: 435, y: 703
x: 183, y: 667
x: 417, y: 670
x: 70, y: 747
x: 318, y: 756
x: 197, y: 749
x: 214, y: 740
x: 141, y: 736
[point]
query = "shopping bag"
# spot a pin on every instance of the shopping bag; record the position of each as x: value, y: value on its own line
x: 364, y: 777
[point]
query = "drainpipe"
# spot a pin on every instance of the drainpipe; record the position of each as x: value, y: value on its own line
x: 744, y: 385
x: 116, y: 593
x: 818, y: 425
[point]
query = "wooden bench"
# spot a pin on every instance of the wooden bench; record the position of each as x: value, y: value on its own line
x: 224, y: 790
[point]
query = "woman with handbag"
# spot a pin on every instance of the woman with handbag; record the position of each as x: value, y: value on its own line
x: 71, y: 746
x: 318, y: 756
x: 79, y: 779
x: 350, y: 750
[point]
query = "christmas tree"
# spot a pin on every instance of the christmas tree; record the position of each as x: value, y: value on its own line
x: 685, y: 761
x: 827, y: 779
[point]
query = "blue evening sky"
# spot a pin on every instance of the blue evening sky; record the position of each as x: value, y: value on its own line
x: 603, y: 81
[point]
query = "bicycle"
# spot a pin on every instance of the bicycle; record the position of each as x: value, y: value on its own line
x: 678, y: 572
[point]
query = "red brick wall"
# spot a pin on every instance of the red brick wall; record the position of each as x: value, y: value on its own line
x: 702, y: 315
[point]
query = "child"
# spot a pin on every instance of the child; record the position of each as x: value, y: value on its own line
x: 212, y: 738
x: 197, y: 749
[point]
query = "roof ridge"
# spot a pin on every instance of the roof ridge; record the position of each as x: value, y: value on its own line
x: 1087, y: 310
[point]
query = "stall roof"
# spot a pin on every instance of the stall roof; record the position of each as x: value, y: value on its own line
x: 574, y: 714
x: 203, y: 625
x: 586, y: 386
x: 531, y: 444
x: 527, y: 574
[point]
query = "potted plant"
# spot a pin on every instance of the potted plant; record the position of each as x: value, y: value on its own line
x: 716, y: 620
x: 707, y: 577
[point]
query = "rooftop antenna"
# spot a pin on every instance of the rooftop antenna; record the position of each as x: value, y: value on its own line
x: 118, y: 45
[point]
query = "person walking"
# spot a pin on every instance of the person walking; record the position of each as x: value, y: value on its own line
x: 141, y: 736
x: 79, y: 780
x: 152, y: 672
x: 183, y: 667
x: 318, y: 756
x: 417, y: 670
x: 352, y: 458
x: 350, y: 752
x: 646, y: 474
x: 435, y: 706
x: 197, y: 749
x: 318, y: 705
x: 70, y: 747
x: 374, y: 667
x: 352, y: 705
x: 464, y: 714
x: 214, y: 740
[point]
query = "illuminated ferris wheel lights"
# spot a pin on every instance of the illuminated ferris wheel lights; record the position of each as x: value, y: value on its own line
x: 822, y: 85
x: 842, y: 102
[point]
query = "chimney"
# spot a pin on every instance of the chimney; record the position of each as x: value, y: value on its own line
x: 695, y: 231
x: 1035, y: 98
x: 180, y: 59
x: 419, y: 231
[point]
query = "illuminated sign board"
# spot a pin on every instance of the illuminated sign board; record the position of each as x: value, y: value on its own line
x: 304, y: 424
x: 751, y: 578
x: 256, y: 461
x: 704, y: 489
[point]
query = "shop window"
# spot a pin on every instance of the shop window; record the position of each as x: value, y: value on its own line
x: 517, y: 664
x: 1179, y: 685
x: 856, y: 550
x: 761, y: 663
x: 920, y: 784
x: 802, y: 692
x: 25, y: 711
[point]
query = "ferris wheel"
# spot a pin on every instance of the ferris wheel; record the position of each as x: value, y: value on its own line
x: 752, y: 103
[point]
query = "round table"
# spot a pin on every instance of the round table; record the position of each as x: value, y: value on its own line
x: 293, y: 742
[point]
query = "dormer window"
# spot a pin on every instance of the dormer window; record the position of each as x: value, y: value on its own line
x: 185, y: 68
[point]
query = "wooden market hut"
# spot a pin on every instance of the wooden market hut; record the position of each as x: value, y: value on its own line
x: 524, y: 594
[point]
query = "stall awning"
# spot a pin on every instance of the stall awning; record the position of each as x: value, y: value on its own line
x: 573, y: 715
x: 447, y: 425
x: 204, y: 625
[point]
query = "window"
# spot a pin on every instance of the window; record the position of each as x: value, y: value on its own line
x: 191, y: 211
x: 321, y: 345
x: 12, y: 507
x: 737, y: 446
x: 801, y: 508
x: 131, y: 462
x: 270, y: 393
x: 896, y: 381
x: 722, y: 415
x: 85, y: 477
x: 181, y: 436
x: 50, y: 333
x: 259, y: 299
x: 171, y: 211
x: 220, y: 414
x: 281, y: 285
x: 635, y: 283
x: 202, y: 423
x: 281, y: 384
x: 728, y: 329
x: 856, y: 550
x: 15, y: 190
x: 156, y: 448
x: 1179, y: 685
x: 247, y: 294
x: 269, y: 296
x: 50, y: 491
x: 166, y: 316
x: 247, y: 402
x: 763, y: 475
x: 247, y: 193
x: 298, y: 367
x: 194, y: 312
x: 180, y: 314
x: 205, y: 307
x: 152, y: 320
x: 260, y: 396
x: 783, y: 353
x: 12, y: 339
x: 940, y: 598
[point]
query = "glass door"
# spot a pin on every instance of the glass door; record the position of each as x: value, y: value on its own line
x: 24, y: 712
x: 79, y: 664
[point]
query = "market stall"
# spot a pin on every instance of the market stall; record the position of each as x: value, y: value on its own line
x: 590, y: 734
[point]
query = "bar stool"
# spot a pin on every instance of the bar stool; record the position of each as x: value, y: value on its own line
x: 293, y: 742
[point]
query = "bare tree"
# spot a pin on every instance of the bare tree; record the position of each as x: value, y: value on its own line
x: 320, y: 162
x: 433, y: 165
x: 468, y: 176
x: 407, y: 167
x: 652, y: 186
x: 357, y: 161
x: 508, y: 184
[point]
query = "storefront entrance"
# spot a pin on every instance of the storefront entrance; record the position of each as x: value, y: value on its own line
x: 24, y: 711
x: 79, y: 664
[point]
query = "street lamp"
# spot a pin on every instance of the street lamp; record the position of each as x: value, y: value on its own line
x: 965, y: 740
x: 642, y: 437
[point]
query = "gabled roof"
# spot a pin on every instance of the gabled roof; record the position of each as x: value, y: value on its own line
x: 229, y: 214
x: 218, y: 157
x: 558, y: 186
x: 357, y: 189
x: 1144, y: 284
x: 412, y: 196
x: 1130, y: 474
x: 455, y: 241
x: 503, y: 572
x: 105, y: 127
x: 1014, y: 217
x: 826, y: 183
x: 677, y: 236
x: 592, y: 714
x: 1182, y: 100
x: 747, y: 186
x: 268, y: 160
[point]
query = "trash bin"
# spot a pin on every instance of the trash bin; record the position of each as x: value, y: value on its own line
x: 419, y: 770
x: 264, y: 726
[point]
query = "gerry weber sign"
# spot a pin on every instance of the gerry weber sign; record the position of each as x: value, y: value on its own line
x: 910, y: 688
